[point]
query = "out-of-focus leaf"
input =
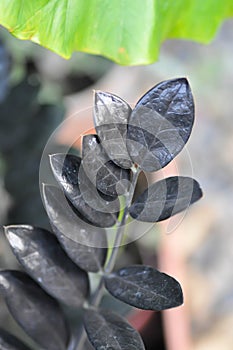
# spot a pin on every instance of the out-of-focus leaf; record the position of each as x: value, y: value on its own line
x: 23, y: 99
x: 10, y: 342
x: 41, y: 255
x: 145, y: 288
x: 4, y: 71
x: 107, y: 330
x: 111, y: 115
x: 26, y: 126
x: 160, y: 124
x: 165, y: 198
x: 130, y: 33
x: 81, y: 192
x: 84, y: 243
x: 102, y: 172
x: 36, y: 312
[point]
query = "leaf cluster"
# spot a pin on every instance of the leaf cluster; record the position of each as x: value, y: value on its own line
x: 84, y: 206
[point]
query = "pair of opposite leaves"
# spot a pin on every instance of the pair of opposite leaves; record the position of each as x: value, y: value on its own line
x: 159, y: 291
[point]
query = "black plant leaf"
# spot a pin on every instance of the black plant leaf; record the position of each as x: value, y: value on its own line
x: 165, y: 198
x: 10, y: 342
x: 108, y: 178
x: 36, y: 312
x: 97, y: 199
x: 84, y: 243
x: 111, y: 115
x: 107, y: 330
x: 160, y: 124
x: 40, y: 253
x: 81, y: 192
x: 145, y: 288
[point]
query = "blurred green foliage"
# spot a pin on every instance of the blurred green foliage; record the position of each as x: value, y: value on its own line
x: 127, y: 32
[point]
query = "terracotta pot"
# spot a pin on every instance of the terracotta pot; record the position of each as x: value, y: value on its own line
x: 149, y: 324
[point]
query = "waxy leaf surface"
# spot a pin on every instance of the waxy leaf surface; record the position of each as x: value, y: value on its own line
x: 84, y: 243
x: 81, y: 192
x: 37, y: 313
x: 40, y: 253
x: 111, y: 115
x: 10, y: 342
x: 128, y: 32
x: 108, y: 178
x: 160, y: 124
x: 165, y: 198
x: 107, y: 330
x: 145, y: 288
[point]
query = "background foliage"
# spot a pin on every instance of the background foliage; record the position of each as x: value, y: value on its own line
x: 127, y: 32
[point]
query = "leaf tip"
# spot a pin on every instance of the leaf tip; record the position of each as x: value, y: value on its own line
x: 197, y: 192
x: 17, y: 235
x: 56, y: 162
x: 8, y: 229
x: 45, y: 188
x: 4, y: 283
x: 97, y: 99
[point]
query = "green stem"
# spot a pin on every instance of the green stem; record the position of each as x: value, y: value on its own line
x: 120, y: 232
x: 97, y: 296
x: 117, y: 243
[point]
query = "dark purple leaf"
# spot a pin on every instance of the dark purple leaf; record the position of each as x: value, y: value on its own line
x: 111, y: 116
x: 84, y: 243
x: 160, y: 124
x: 10, y: 342
x: 145, y: 288
x: 36, y: 312
x: 40, y: 253
x: 107, y: 330
x: 165, y: 198
x: 101, y: 171
x: 81, y: 192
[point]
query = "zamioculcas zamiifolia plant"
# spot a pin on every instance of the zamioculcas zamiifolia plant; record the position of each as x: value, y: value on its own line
x: 95, y: 198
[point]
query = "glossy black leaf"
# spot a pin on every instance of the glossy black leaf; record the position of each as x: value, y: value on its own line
x: 40, y: 253
x: 81, y: 192
x: 111, y: 115
x: 36, y: 312
x: 107, y: 330
x: 84, y: 243
x: 145, y: 288
x: 108, y: 178
x: 10, y: 342
x: 106, y: 204
x: 160, y: 124
x: 165, y: 198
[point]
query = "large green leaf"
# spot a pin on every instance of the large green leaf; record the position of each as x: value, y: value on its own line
x: 127, y: 31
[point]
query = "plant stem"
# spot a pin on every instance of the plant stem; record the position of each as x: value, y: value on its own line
x: 97, y: 296
x: 120, y: 232
x: 117, y: 242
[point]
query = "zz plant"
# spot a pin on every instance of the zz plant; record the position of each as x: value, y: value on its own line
x: 95, y: 196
